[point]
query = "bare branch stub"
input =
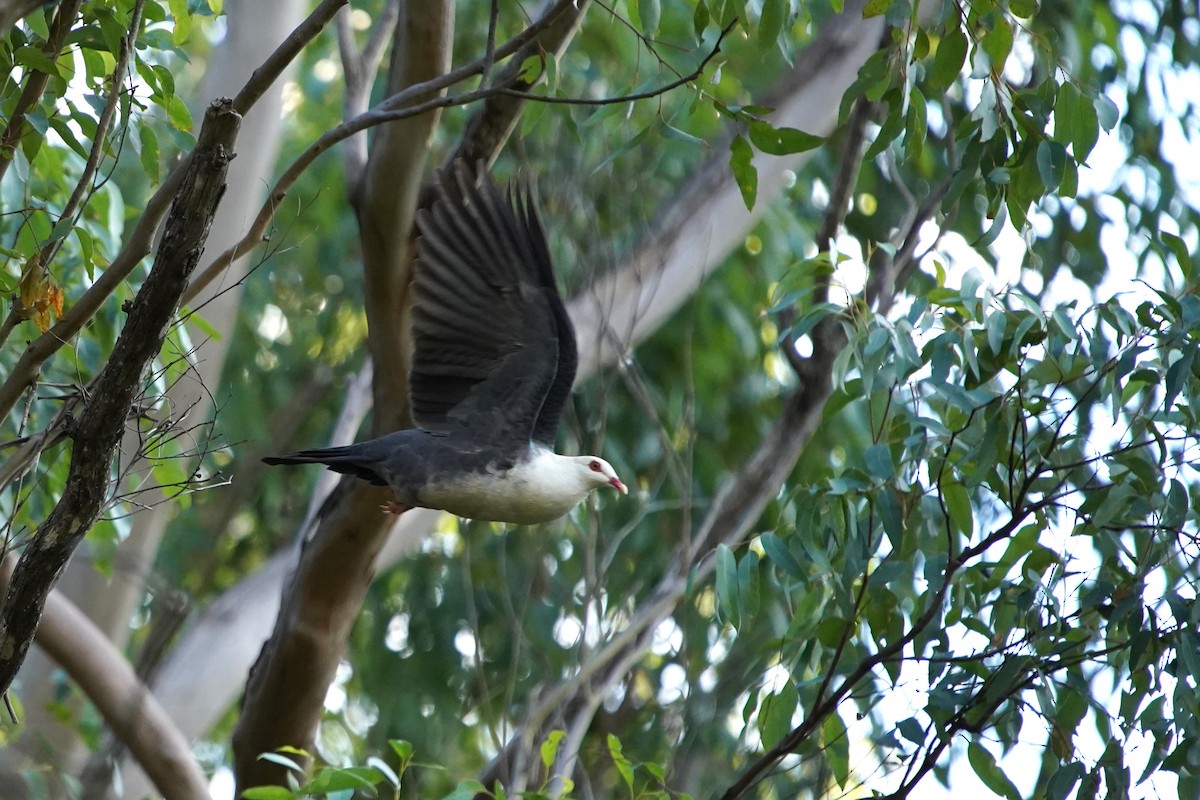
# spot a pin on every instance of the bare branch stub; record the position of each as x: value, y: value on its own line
x: 102, y: 421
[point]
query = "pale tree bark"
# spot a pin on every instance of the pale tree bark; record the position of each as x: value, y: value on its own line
x: 254, y: 30
x: 694, y: 235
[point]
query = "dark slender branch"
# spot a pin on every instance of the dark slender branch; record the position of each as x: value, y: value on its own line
x: 655, y: 92
x: 490, y: 127
x: 103, y: 418
x: 262, y: 78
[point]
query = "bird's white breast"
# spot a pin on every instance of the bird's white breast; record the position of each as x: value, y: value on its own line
x: 537, y: 489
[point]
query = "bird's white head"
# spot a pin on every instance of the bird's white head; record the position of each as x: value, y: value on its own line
x: 600, y: 473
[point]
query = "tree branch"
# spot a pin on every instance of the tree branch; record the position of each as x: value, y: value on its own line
x: 403, y: 104
x: 490, y: 127
x: 103, y: 418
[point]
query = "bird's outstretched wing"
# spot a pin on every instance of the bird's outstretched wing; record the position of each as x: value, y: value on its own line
x: 494, y: 353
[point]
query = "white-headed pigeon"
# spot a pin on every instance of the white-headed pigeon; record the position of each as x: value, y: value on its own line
x: 493, y: 363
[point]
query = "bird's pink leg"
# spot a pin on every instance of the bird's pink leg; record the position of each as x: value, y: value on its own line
x: 394, y: 507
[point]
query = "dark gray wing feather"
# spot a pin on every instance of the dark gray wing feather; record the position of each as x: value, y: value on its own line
x: 494, y: 352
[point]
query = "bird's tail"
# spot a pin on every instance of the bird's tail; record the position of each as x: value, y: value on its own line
x: 346, y: 460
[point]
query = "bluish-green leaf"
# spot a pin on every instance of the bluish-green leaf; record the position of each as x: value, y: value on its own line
x: 727, y: 585
x: 878, y: 458
x: 779, y: 553
x: 1106, y: 112
x: 1052, y: 163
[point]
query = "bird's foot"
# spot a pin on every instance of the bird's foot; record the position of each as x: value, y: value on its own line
x: 394, y: 507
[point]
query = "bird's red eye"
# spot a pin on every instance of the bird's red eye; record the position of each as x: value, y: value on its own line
x: 594, y: 466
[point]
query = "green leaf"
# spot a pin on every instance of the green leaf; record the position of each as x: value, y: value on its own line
x: 741, y: 161
x: 1052, y: 163
x: 620, y: 761
x: 183, y: 21
x: 282, y: 760
x: 916, y: 127
x: 958, y: 504
x: 1075, y: 121
x: 268, y: 793
x: 775, y: 716
x: 993, y: 231
x: 892, y: 517
x: 779, y: 553
x: 549, y: 749
x: 1179, y: 249
x: 466, y: 790
x: 911, y: 729
x: 837, y: 747
x: 700, y: 19
x: 403, y: 749
x: 650, y: 12
x: 329, y: 780
x: 770, y: 22
x: 34, y: 58
x: 1063, y: 781
x: 149, y: 153
x: 984, y: 764
x: 178, y: 114
x: 874, y: 8
x: 997, y: 42
x: 1023, y: 8
x: 748, y: 588
x: 782, y: 141
x: 1177, y: 506
x: 727, y: 584
x: 947, y: 61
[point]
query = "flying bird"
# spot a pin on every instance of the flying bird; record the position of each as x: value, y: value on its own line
x: 493, y: 362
